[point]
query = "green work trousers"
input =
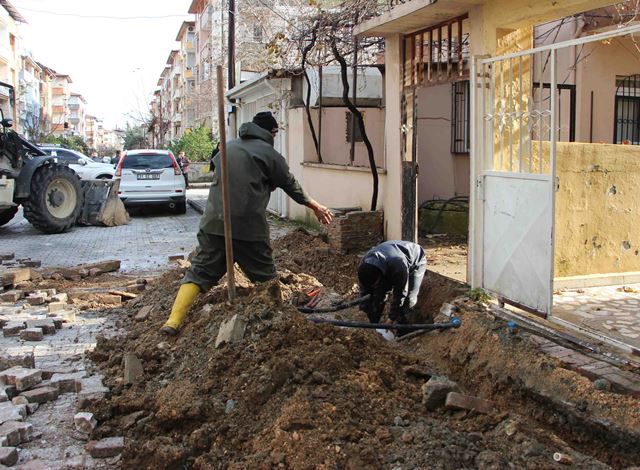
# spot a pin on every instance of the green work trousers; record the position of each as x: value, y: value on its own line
x: 208, y: 265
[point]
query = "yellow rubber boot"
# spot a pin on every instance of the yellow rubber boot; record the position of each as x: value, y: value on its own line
x: 184, y: 300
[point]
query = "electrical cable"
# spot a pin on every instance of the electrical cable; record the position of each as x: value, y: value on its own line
x: 104, y: 17
x: 454, y: 323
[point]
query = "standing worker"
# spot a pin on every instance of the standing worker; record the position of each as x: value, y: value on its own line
x: 183, y: 161
x: 255, y: 169
x: 393, y: 266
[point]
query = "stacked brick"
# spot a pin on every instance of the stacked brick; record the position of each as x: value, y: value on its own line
x: 356, y: 231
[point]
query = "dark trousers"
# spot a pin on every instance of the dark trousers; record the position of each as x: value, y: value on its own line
x: 208, y: 265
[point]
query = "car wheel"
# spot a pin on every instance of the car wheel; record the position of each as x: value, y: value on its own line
x: 181, y: 207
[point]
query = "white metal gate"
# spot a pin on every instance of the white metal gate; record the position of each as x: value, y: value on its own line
x: 516, y: 125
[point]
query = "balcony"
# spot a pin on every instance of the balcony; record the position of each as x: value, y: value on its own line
x: 58, y: 109
x: 177, y: 117
x: 177, y: 92
x: 189, y: 46
x: 58, y: 91
x: 188, y: 73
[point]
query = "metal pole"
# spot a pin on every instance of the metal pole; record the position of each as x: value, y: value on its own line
x: 231, y: 58
x: 228, y: 242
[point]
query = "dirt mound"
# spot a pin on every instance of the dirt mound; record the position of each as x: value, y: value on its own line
x: 291, y: 394
x: 301, y: 252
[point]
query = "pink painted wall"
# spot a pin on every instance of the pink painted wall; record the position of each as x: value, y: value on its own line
x: 442, y: 174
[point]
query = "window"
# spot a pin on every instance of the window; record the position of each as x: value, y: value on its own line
x: 257, y: 32
x: 358, y: 131
x: 460, y: 123
x: 627, y: 111
x: 67, y: 157
x: 152, y: 161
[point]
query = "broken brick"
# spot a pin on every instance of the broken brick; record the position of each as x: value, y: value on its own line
x: 12, y: 296
x: 105, y: 448
x: 85, y: 422
x: 41, y: 395
x: 8, y: 456
x: 33, y: 263
x: 32, y: 334
x: 458, y: 401
x: 109, y: 299
x: 93, y: 272
x: 435, y: 391
x: 57, y: 322
x: 69, y: 382
x: 143, y: 313
x: 7, y: 256
x: 62, y: 297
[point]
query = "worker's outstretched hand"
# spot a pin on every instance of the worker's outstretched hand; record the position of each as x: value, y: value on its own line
x: 323, y: 214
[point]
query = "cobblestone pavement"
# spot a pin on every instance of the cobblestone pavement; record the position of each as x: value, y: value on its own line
x: 53, y: 442
x: 143, y: 245
x: 610, y: 310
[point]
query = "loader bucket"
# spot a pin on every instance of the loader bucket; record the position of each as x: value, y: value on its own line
x: 102, y: 206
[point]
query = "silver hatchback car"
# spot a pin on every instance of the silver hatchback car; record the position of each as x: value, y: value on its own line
x: 151, y: 177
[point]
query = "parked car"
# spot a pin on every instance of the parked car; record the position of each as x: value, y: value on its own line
x: 151, y: 177
x: 85, y: 167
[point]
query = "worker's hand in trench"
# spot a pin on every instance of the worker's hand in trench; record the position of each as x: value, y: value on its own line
x: 323, y: 214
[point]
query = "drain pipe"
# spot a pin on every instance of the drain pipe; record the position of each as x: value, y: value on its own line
x: 454, y: 323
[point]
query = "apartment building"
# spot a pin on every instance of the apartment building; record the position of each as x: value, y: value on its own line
x: 61, y: 95
x: 91, y: 136
x: 77, y: 111
x: 10, y: 60
x: 187, y: 39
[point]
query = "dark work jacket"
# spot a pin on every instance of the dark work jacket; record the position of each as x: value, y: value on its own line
x: 255, y: 169
x: 398, y: 260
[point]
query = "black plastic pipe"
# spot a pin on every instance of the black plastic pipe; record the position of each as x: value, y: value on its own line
x: 454, y: 323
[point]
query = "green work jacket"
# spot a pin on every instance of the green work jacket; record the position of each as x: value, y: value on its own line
x: 255, y: 170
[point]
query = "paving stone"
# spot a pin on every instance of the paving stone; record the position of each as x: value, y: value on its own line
x: 133, y: 371
x: 33, y: 263
x: 32, y: 334
x: 61, y: 297
x: 458, y: 401
x: 47, y: 325
x: 21, y: 377
x: 92, y: 386
x: 12, y: 296
x: 19, y: 400
x: 54, y: 307
x: 15, y: 276
x: 69, y: 382
x: 11, y: 412
x: 85, y: 422
x: 13, y: 328
x: 24, y: 360
x: 32, y: 408
x: 8, y: 456
x: 435, y: 390
x: 231, y: 331
x: 16, y: 432
x: 7, y: 392
x: 41, y: 395
x: 105, y: 448
x: 57, y: 322
x: 143, y: 313
x: 7, y: 256
x: 37, y: 299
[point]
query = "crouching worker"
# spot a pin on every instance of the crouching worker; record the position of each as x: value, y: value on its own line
x: 394, y: 266
x: 255, y: 169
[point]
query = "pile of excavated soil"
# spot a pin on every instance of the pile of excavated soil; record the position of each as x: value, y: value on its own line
x: 293, y: 394
x: 302, y: 252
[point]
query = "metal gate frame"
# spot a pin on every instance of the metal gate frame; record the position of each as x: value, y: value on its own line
x: 481, y: 166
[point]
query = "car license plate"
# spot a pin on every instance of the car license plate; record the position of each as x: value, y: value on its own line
x: 149, y: 176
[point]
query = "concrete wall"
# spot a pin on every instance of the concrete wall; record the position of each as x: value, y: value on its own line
x: 331, y: 185
x: 442, y: 174
x: 197, y: 173
x: 597, y: 209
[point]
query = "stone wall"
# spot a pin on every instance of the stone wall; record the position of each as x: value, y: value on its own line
x: 356, y: 231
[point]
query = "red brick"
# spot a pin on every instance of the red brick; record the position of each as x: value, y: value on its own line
x: 105, y: 448
x: 32, y: 334
x: 8, y: 456
x: 12, y: 296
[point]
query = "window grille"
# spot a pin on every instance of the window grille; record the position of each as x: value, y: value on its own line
x: 460, y: 123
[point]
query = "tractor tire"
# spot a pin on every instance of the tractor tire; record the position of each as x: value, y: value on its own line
x: 56, y: 199
x: 7, y: 214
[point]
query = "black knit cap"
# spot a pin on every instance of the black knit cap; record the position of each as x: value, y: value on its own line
x: 368, y: 274
x: 265, y: 120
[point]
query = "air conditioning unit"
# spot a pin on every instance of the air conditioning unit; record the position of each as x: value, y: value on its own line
x: 190, y: 29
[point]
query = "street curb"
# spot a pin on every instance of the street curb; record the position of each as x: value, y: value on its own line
x: 200, y: 185
x: 198, y: 207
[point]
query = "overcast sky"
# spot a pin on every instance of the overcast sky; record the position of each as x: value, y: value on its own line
x: 114, y: 63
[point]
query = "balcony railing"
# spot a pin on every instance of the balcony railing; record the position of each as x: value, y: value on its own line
x: 188, y: 73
